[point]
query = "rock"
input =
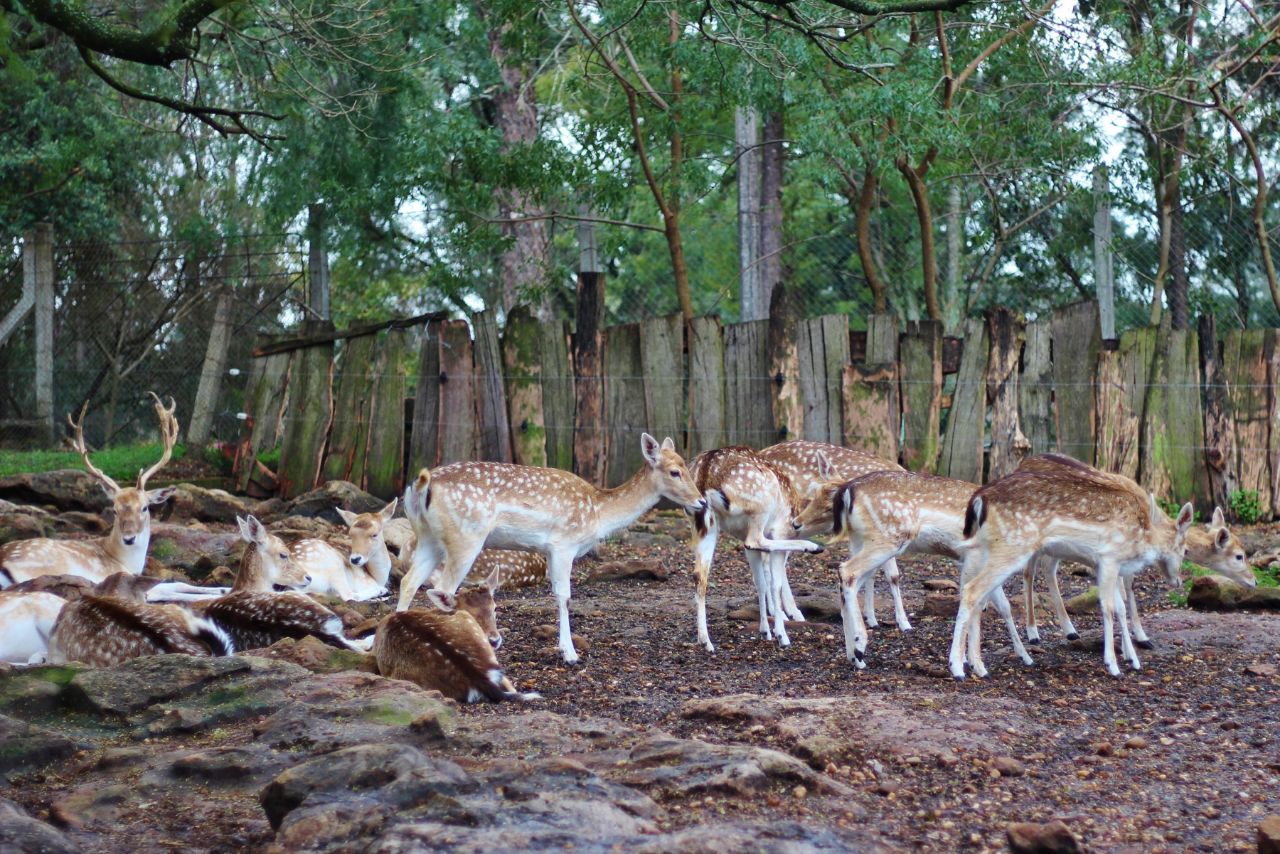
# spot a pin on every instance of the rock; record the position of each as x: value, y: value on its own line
x: 940, y: 605
x: 143, y: 682
x: 66, y: 489
x: 1269, y: 835
x: 94, y: 803
x: 1007, y: 766
x: 773, y: 835
x: 336, y: 493
x: 22, y: 834
x: 34, y: 691
x: 633, y: 569
x: 1083, y: 603
x: 23, y: 745
x: 551, y: 632
x: 1032, y: 838
x: 25, y: 524
x: 1216, y: 593
x: 402, y: 774
x: 1135, y: 742
x: 1260, y: 668
x: 207, y: 505
x: 78, y: 520
x: 816, y: 607
x: 222, y: 764
x: 941, y: 585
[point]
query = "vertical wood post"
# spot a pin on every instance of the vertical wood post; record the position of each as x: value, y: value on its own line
x: 215, y: 365
x: 1008, y: 444
x: 961, y: 454
x: 588, y: 363
x: 491, y: 398
x: 1075, y: 365
x: 522, y: 359
x: 1035, y: 392
x: 424, y: 437
x: 1219, y: 429
x: 921, y: 360
x: 1103, y: 259
x: 317, y: 264
x: 752, y: 299
x: 706, y: 385
x: 37, y: 266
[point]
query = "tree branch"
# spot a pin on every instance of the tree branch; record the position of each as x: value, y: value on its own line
x: 170, y: 40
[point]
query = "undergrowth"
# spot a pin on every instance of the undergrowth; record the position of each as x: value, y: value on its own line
x: 121, y: 463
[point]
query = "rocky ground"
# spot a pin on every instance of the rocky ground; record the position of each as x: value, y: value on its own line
x: 652, y: 744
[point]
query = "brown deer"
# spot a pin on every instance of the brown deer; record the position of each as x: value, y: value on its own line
x: 461, y: 508
x: 445, y: 648
x: 1068, y: 511
x: 124, y: 548
x: 884, y: 515
x: 360, y: 574
x: 748, y: 498
x: 817, y: 468
x: 102, y: 632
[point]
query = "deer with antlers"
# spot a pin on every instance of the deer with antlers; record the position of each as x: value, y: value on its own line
x: 360, y: 574
x: 459, y: 509
x: 1068, y: 511
x: 124, y: 548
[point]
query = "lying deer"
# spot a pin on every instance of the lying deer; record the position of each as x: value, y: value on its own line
x: 27, y: 620
x: 461, y: 508
x: 884, y: 515
x: 359, y: 575
x: 747, y: 498
x: 445, y: 648
x: 102, y: 632
x: 1068, y: 511
x: 816, y: 469
x: 124, y: 548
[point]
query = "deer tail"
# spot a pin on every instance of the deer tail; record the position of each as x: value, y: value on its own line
x: 841, y: 501
x: 975, y: 514
x: 417, y: 496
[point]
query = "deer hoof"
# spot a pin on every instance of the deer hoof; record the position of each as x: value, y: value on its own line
x: 1145, y: 644
x: 1033, y: 641
x: 818, y: 549
x: 1073, y: 636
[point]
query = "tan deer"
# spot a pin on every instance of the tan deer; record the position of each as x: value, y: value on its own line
x: 817, y: 468
x: 124, y: 548
x: 747, y: 498
x: 459, y: 509
x: 445, y: 648
x: 1068, y: 511
x: 27, y: 621
x: 360, y: 574
x: 884, y: 515
x: 102, y: 632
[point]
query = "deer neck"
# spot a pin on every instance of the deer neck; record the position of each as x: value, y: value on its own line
x: 251, y: 578
x: 380, y: 562
x: 621, y: 506
x: 132, y: 557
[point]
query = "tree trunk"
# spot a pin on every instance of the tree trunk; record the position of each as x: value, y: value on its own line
x: 865, y: 206
x: 671, y: 216
x: 589, y: 452
x: 928, y: 255
x: 952, y: 305
x: 1177, y: 291
x: 753, y: 302
x: 215, y: 365
x: 773, y: 164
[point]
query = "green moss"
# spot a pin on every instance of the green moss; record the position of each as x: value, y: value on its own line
x: 388, y: 715
x: 57, y: 674
x: 229, y: 694
x: 163, y: 549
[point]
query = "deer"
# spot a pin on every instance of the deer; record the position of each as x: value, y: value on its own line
x: 1068, y: 511
x: 103, y: 631
x: 28, y: 620
x: 818, y: 468
x: 124, y: 548
x: 884, y: 515
x: 363, y: 572
x: 750, y: 499
x: 459, y: 509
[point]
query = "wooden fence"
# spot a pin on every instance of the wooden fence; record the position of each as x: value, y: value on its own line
x: 1187, y: 421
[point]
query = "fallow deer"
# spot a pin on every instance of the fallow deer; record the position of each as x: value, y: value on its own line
x: 359, y: 575
x: 817, y: 468
x: 444, y: 648
x: 749, y: 499
x: 102, y: 632
x: 884, y: 515
x: 508, y: 569
x: 27, y: 620
x: 461, y: 508
x: 1068, y: 511
x: 124, y: 548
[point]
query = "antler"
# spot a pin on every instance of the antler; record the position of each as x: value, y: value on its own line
x: 77, y: 443
x: 168, y: 434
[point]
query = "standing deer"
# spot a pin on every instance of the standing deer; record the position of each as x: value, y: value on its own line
x: 817, y: 469
x: 749, y: 499
x: 124, y: 548
x: 461, y: 508
x: 1068, y: 511
x: 884, y: 515
x: 359, y: 575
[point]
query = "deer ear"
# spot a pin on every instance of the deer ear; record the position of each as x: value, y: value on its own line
x: 1222, y: 539
x: 824, y: 467
x: 1185, y: 517
x: 160, y: 496
x: 649, y: 448
x: 390, y: 510
x: 347, y: 516
x: 492, y: 580
x: 244, y: 528
x: 446, y: 602
x: 668, y: 445
x: 1218, y: 519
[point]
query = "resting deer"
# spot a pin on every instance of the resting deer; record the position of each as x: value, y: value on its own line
x: 747, y: 498
x: 1068, y: 511
x: 102, y: 632
x: 445, y: 648
x: 27, y: 620
x: 124, y: 548
x: 461, y: 508
x: 884, y: 515
x: 359, y: 575
x: 817, y: 468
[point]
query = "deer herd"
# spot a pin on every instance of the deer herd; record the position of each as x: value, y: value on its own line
x: 508, y: 525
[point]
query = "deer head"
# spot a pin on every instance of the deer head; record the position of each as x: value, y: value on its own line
x: 476, y: 601
x: 366, y: 533
x: 826, y: 502
x: 1169, y: 537
x: 266, y: 564
x: 1215, y: 547
x: 668, y: 474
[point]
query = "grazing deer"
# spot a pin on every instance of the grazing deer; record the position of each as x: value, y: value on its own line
x: 747, y: 498
x: 884, y: 515
x: 359, y: 575
x: 445, y: 648
x: 102, y: 632
x: 26, y: 622
x: 1068, y: 511
x: 124, y: 548
x: 459, y: 509
x: 817, y: 468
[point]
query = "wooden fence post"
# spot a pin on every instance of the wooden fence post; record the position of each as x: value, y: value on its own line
x: 1246, y: 358
x: 457, y: 419
x: 491, y: 399
x: 1008, y: 443
x: 37, y: 274
x: 522, y: 358
x: 1076, y: 341
x: 383, y: 470
x: 662, y: 366
x: 557, y: 394
x: 1123, y: 377
x: 748, y: 392
x: 625, y: 415
x: 1173, y: 435
x: 921, y: 372
x: 352, y: 389
x: 265, y: 394
x: 589, y: 431
x: 822, y: 351
x: 1035, y: 390
x: 872, y: 412
x: 424, y: 437
x: 961, y: 455
x: 308, y: 416
x: 317, y: 263
x: 1103, y: 262
x: 706, y: 385
x: 1219, y: 431
x: 211, y: 371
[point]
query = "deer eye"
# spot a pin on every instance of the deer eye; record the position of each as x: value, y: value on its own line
x: 284, y: 555
x: 675, y: 472
x: 1240, y: 557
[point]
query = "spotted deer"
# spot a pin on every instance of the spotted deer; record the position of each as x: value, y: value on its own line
x: 818, y: 468
x: 884, y: 515
x: 360, y: 574
x: 103, y: 631
x: 747, y: 498
x: 124, y: 548
x: 1068, y: 511
x: 461, y: 508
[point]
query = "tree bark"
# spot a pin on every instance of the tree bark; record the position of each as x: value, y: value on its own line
x: 215, y: 365
x: 924, y: 216
x: 865, y: 206
x: 671, y: 216
x: 771, y: 183
x: 753, y: 302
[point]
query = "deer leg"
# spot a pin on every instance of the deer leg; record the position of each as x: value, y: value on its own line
x: 1139, y: 633
x: 704, y: 549
x: 970, y: 570
x: 1107, y: 583
x: 559, y: 571
x: 977, y: 590
x: 778, y: 576
x: 868, y: 589
x: 760, y: 575
x: 426, y: 557
x: 892, y: 574
x: 1029, y: 600
x: 1126, y: 641
x: 1059, y: 607
x: 1002, y: 605
x: 789, y: 607
x: 855, y: 572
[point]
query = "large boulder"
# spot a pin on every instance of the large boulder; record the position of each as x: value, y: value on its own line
x: 23, y: 745
x: 323, y: 501
x: 22, y: 834
x: 66, y: 489
x: 1216, y: 593
x: 207, y: 505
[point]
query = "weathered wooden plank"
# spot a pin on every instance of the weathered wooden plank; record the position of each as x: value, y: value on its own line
x: 522, y: 359
x: 1219, y: 431
x: 823, y: 349
x: 1246, y: 356
x: 748, y: 385
x: 307, y: 419
x: 353, y: 380
x: 882, y: 339
x: 1008, y: 443
x: 557, y: 394
x: 491, y: 399
x: 872, y: 420
x: 459, y: 436
x: 1076, y: 341
x: 786, y: 394
x: 921, y: 379
x: 1035, y: 388
x: 706, y: 385
x: 384, y: 463
x: 424, y: 437
x: 264, y: 400
x: 662, y: 365
x: 589, y: 431
x: 624, y: 402
x: 961, y: 454
x: 1173, y: 430
x: 1123, y: 376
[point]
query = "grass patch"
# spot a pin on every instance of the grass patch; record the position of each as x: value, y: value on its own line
x: 120, y: 463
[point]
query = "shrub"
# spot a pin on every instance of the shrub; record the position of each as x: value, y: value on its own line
x: 1245, y: 506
